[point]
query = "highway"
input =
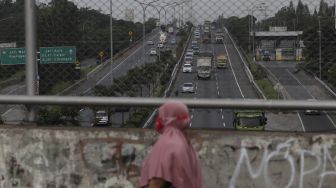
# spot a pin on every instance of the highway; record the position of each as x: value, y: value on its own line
x: 230, y: 83
x: 300, y: 86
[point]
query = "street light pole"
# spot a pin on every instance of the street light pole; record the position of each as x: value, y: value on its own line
x: 111, y: 42
x: 144, y: 6
x: 320, y: 48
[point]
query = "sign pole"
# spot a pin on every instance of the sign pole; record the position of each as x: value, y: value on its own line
x: 30, y: 36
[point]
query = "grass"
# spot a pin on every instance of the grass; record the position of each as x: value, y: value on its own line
x: 60, y: 87
x: 86, y: 70
x: 267, y: 88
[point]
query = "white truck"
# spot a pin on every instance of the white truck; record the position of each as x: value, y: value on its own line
x: 204, y: 66
x: 163, y: 37
x: 171, y: 30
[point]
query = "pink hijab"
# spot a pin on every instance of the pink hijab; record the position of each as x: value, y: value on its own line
x: 173, y: 158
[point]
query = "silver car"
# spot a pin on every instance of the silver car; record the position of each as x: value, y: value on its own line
x: 188, y: 88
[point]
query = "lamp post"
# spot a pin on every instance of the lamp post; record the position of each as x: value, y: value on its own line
x: 260, y: 6
x: 144, y: 6
x: 320, y: 47
x: 111, y: 42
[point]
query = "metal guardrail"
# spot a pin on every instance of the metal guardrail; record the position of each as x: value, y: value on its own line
x: 329, y: 105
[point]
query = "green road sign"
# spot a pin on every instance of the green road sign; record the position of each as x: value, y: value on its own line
x: 13, y: 56
x: 64, y: 54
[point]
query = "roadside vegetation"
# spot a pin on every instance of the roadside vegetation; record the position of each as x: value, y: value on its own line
x: 64, y: 23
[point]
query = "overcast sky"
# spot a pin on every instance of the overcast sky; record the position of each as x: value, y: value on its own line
x: 201, y: 9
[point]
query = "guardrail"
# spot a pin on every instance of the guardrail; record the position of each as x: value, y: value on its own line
x: 172, y: 80
x: 246, y: 67
x: 329, y: 105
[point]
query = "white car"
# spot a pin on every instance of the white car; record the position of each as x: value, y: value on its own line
x: 160, y: 45
x: 152, y: 51
x: 310, y: 111
x: 187, y: 68
x: 150, y: 42
x: 188, y: 88
x: 197, y: 36
x: 188, y: 60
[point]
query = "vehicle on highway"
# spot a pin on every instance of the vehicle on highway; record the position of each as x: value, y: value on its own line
x: 173, y: 41
x: 188, y: 60
x: 311, y: 111
x: 188, y: 88
x: 187, y: 68
x: 194, y: 43
x: 197, y: 36
x: 160, y: 45
x: 204, y: 64
x: 249, y: 120
x: 152, y: 51
x: 190, y: 52
x: 101, y: 118
x: 171, y: 30
x: 150, y: 42
x: 204, y: 67
x: 163, y: 37
x: 196, y: 50
x: 219, y: 37
x: 221, y: 61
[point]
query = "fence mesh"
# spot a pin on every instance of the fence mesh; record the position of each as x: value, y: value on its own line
x: 275, y: 49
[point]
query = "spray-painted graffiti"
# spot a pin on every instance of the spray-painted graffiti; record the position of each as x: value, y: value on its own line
x: 287, y: 165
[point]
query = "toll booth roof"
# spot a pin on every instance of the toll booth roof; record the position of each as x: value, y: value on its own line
x: 278, y: 33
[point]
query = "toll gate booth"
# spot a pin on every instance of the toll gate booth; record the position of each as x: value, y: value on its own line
x: 278, y: 45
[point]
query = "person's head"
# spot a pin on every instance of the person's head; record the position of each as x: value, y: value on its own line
x: 173, y: 113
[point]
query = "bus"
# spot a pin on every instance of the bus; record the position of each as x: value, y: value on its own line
x: 249, y: 120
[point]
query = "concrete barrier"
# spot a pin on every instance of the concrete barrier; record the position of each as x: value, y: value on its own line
x: 54, y: 157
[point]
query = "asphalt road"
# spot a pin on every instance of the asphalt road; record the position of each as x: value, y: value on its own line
x: 230, y: 83
x: 301, y: 86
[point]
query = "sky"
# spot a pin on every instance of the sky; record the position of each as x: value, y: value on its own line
x: 199, y: 9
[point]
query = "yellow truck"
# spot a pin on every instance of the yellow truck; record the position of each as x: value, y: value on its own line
x: 221, y: 61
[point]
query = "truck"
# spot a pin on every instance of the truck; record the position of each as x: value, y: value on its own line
x: 249, y: 120
x: 204, y: 65
x: 219, y: 38
x: 163, y: 37
x: 171, y: 30
x: 221, y: 61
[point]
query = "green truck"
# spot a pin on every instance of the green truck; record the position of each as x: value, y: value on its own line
x: 249, y: 120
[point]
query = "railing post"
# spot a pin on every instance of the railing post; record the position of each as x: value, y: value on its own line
x: 30, y: 42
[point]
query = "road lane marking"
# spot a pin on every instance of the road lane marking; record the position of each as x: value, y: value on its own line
x: 331, y: 120
x: 110, y: 72
x: 234, y: 75
x: 303, y: 128
x: 300, y: 83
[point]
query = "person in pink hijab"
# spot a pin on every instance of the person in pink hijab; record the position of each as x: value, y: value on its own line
x: 172, y: 162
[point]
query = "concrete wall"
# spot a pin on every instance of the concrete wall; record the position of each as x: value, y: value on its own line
x: 94, y: 158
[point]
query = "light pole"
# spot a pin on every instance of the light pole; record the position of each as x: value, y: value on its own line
x: 111, y: 42
x: 260, y: 6
x: 144, y: 6
x: 320, y: 48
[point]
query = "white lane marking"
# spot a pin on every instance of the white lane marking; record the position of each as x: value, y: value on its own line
x: 110, y: 72
x: 15, y: 89
x: 234, y: 75
x: 303, y: 128
x: 300, y: 83
x: 330, y: 119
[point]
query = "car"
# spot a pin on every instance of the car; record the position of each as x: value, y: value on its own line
x: 187, y: 68
x: 196, y: 50
x: 197, y: 36
x: 173, y: 41
x: 310, y: 111
x: 150, y: 42
x: 188, y: 59
x: 188, y: 88
x: 160, y: 45
x: 152, y: 51
x: 101, y: 118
